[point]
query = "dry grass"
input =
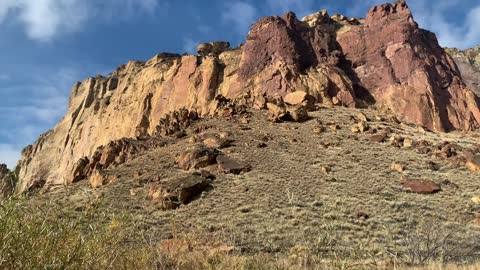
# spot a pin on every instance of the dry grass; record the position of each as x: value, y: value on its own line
x: 287, y: 213
x: 47, y: 237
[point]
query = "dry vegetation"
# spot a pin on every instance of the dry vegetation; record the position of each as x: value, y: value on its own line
x: 311, y: 201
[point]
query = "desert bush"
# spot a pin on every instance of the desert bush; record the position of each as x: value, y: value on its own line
x: 48, y: 238
x: 430, y: 241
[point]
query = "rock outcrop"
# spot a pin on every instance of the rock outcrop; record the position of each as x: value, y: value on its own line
x: 385, y: 60
x: 402, y: 68
x: 468, y: 62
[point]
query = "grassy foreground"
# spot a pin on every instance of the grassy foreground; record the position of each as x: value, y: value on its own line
x: 49, y: 238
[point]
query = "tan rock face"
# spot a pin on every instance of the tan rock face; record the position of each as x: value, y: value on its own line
x: 335, y: 60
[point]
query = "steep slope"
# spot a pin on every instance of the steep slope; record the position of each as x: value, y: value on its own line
x: 385, y: 60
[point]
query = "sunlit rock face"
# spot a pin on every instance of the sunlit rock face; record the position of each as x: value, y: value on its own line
x: 384, y: 60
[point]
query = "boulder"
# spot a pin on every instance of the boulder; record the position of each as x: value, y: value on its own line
x: 196, y: 157
x: 204, y: 49
x: 421, y: 186
x: 300, y: 98
x: 213, y: 141
x: 474, y: 164
x: 378, y: 138
x: 219, y: 47
x: 277, y: 112
x: 298, y: 113
x: 228, y: 165
x: 172, y: 193
x: 99, y: 178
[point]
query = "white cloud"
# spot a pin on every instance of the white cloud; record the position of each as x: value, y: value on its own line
x: 190, y: 45
x: 241, y: 15
x: 45, y: 19
x: 451, y: 32
x: 9, y: 155
x: 37, y: 111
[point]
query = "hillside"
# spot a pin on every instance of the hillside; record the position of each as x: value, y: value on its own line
x: 318, y: 140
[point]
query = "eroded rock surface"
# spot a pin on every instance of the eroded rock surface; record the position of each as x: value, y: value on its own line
x: 402, y: 68
x: 468, y: 62
x: 172, y: 193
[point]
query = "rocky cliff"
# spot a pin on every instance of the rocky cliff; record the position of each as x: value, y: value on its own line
x: 384, y: 61
x: 468, y: 61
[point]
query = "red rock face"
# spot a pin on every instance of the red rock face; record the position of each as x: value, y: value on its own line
x: 279, y: 50
x: 405, y: 70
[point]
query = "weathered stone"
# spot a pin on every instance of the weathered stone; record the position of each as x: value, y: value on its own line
x: 474, y: 164
x: 378, y: 138
x: 362, y: 126
x: 219, y: 47
x: 298, y: 98
x: 319, y: 130
x: 298, y: 113
x: 407, y: 142
x: 98, y: 178
x: 397, y: 167
x: 205, y: 49
x: 111, y: 155
x: 216, y: 142
x: 276, y: 112
x: 421, y: 186
x: 228, y: 165
x: 172, y: 193
x: 362, y: 117
x: 476, y: 200
x: 196, y: 157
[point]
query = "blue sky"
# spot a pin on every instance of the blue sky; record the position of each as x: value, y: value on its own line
x: 48, y: 45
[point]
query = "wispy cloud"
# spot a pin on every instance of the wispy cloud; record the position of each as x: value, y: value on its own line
x: 240, y: 15
x: 190, y: 45
x: 461, y: 32
x: 45, y: 19
x: 32, y: 107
